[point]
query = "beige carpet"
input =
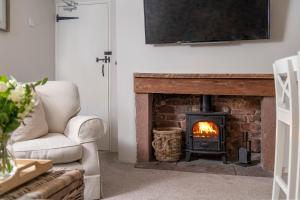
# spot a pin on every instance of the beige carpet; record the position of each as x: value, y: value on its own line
x: 124, y: 182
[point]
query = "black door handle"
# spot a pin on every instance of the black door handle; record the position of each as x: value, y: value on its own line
x: 59, y: 18
x: 98, y: 59
x: 103, y: 70
x: 106, y: 59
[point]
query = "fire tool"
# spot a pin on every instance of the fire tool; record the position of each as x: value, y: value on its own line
x: 245, y: 150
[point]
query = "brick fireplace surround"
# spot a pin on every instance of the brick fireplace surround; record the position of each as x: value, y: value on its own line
x: 254, y: 92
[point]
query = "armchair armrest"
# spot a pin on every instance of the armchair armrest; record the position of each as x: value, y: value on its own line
x: 84, y: 129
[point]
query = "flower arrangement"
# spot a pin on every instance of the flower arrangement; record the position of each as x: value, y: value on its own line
x: 17, y: 101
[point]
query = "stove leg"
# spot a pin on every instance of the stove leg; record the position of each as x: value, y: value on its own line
x: 224, y: 159
x: 188, y: 156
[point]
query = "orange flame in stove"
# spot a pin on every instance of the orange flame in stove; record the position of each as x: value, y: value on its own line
x: 205, y: 130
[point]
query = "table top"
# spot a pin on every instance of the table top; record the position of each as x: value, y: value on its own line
x: 53, y: 184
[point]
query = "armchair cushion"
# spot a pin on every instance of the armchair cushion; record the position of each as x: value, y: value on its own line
x: 83, y: 129
x: 61, y: 102
x: 54, y: 146
x: 34, y: 126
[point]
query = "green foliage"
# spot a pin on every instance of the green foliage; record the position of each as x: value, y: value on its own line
x: 41, y: 82
x: 17, y: 100
x: 3, y: 78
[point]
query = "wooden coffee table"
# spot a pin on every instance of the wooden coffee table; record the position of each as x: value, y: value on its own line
x: 58, y: 185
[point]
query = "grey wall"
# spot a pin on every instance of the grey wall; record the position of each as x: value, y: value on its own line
x: 28, y: 52
x: 235, y: 57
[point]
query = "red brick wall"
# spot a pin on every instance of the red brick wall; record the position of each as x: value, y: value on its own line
x: 244, y: 116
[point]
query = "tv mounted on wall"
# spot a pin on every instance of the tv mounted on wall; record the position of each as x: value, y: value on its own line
x: 194, y: 21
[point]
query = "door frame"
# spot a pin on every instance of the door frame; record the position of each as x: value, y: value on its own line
x: 111, y: 47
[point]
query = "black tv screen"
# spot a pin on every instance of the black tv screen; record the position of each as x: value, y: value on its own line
x: 189, y: 21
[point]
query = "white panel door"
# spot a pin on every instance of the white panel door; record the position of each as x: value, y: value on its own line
x: 78, y: 43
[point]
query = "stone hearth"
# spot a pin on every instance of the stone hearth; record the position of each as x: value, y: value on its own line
x: 207, y: 166
x: 162, y: 100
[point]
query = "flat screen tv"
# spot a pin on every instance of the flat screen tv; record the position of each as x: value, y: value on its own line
x: 194, y: 21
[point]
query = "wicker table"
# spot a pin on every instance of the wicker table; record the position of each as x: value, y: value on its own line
x: 51, y: 185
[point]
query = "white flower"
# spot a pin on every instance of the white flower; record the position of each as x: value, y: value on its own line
x: 34, y: 100
x: 28, y: 109
x: 3, y: 87
x: 17, y: 94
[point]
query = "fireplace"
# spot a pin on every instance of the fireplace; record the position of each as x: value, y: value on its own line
x: 248, y: 98
x: 205, y: 132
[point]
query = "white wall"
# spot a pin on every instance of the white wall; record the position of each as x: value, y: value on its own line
x: 27, y: 52
x: 113, y: 84
x: 244, y: 57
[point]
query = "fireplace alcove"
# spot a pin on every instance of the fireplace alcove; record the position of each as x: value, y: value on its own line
x: 252, y: 85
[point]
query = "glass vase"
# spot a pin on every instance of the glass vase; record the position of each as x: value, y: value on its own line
x: 7, y: 160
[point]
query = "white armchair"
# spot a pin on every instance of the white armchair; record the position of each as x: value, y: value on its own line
x: 72, y: 140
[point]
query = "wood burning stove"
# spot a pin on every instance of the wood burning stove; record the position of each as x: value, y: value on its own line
x: 205, y: 133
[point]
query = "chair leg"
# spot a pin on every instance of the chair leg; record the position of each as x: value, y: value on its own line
x: 276, y: 191
x: 279, y: 158
x: 292, y: 175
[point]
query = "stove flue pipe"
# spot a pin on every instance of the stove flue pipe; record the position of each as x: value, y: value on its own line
x: 206, y: 103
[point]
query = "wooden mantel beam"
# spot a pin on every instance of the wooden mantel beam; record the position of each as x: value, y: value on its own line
x: 212, y: 84
x: 205, y: 86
